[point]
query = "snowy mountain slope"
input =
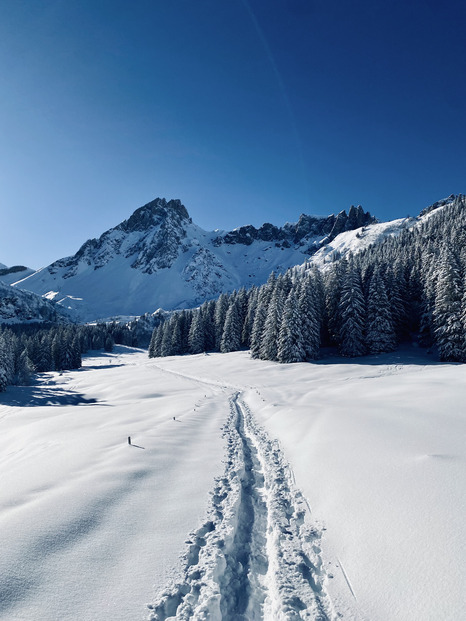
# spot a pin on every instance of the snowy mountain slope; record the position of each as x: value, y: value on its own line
x: 9, y: 275
x: 18, y: 306
x: 359, y: 239
x: 160, y: 258
x: 370, y: 517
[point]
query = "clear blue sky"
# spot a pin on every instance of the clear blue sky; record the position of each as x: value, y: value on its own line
x: 246, y: 110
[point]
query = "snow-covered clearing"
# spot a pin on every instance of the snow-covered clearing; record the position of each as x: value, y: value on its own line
x: 366, y: 524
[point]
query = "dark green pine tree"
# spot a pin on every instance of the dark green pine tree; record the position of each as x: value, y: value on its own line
x: 449, y: 332
x: 6, y: 362
x: 166, y: 342
x: 269, y: 341
x: 333, y: 285
x: 310, y: 308
x: 380, y: 335
x: 176, y: 336
x: 208, y: 316
x: 155, y: 344
x: 231, y: 338
x: 196, y: 337
x: 260, y: 315
x: 353, y: 313
x: 290, y: 340
x: 249, y: 318
x: 221, y: 308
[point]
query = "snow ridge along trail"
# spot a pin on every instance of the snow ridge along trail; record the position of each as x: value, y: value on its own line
x: 257, y: 556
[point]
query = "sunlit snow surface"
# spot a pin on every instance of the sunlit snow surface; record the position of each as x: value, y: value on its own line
x: 91, y: 527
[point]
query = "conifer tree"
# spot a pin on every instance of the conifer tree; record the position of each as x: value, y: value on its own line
x: 333, y: 286
x: 231, y: 339
x: 166, y: 342
x: 269, y: 342
x: 310, y: 310
x: 249, y: 318
x: 208, y: 316
x: 290, y: 341
x: 196, y: 334
x: 260, y: 316
x: 449, y: 333
x: 380, y: 336
x: 352, y: 311
x: 221, y: 308
x: 176, y: 338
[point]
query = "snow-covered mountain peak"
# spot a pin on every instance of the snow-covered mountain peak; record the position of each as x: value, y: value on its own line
x: 153, y: 214
x: 149, y: 239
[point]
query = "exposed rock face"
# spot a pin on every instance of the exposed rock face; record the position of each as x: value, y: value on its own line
x: 150, y: 238
x: 159, y: 258
x: 297, y: 233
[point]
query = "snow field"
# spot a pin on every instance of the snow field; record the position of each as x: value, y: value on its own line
x: 378, y: 449
x: 88, y: 523
x: 91, y: 527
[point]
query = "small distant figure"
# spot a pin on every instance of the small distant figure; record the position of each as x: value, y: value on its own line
x: 129, y: 439
x: 174, y: 418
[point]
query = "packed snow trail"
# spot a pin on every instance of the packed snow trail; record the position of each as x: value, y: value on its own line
x: 256, y: 556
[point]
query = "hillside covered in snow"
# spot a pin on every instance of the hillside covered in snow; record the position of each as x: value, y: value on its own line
x: 18, y: 306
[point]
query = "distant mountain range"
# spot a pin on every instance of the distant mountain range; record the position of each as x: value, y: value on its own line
x: 159, y: 258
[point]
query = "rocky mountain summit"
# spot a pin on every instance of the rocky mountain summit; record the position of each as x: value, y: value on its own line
x: 159, y: 258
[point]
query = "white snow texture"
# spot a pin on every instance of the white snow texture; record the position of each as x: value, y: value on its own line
x: 312, y: 491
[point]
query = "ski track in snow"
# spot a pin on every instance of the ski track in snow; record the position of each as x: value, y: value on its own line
x: 257, y: 555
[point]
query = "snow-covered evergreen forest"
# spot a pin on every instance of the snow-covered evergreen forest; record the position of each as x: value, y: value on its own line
x: 31, y: 349
x: 410, y: 287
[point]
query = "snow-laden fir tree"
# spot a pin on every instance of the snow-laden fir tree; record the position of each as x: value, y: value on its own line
x: 208, y: 316
x: 333, y: 285
x: 221, y: 308
x: 263, y: 300
x: 269, y: 341
x: 196, y: 337
x: 290, y: 340
x: 231, y: 338
x: 397, y: 287
x: 6, y: 363
x: 449, y: 331
x: 155, y: 345
x: 380, y: 335
x: 25, y: 369
x: 310, y: 312
x: 166, y: 343
x: 249, y: 319
x: 463, y: 314
x: 352, y: 313
x: 176, y: 339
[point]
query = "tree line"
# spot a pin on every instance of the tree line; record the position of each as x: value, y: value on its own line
x: 29, y: 349
x: 409, y: 287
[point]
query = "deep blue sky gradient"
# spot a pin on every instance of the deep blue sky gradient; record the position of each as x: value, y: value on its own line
x: 246, y: 110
